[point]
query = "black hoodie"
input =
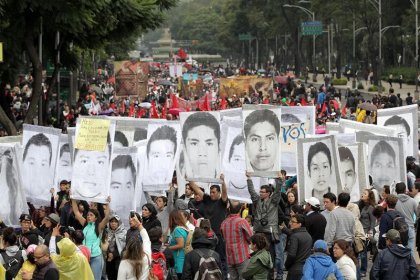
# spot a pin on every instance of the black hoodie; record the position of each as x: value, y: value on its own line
x: 394, y: 262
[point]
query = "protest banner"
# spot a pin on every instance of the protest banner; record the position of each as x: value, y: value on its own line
x: 405, y: 121
x: 296, y: 122
x: 131, y: 78
x: 245, y: 85
x: 318, y: 171
x: 38, y: 161
x: 353, y: 126
x: 64, y: 167
x: 91, y: 134
x: 261, y: 125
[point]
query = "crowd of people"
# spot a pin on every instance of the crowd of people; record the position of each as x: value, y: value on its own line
x: 210, y: 236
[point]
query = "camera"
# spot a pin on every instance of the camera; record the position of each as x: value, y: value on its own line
x: 65, y: 229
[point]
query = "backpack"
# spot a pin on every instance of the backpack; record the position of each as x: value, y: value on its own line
x: 12, y: 264
x: 401, y: 225
x: 158, y: 265
x: 208, y: 268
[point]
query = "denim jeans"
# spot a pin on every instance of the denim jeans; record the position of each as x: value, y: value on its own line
x: 97, y: 264
x: 235, y: 270
x: 411, y: 237
x: 280, y: 255
x: 364, y: 259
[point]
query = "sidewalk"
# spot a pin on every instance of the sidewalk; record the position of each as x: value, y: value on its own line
x: 396, y: 86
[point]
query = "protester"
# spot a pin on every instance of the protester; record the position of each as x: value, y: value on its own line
x: 237, y: 234
x: 395, y: 261
x: 177, y: 239
x: 30, y: 234
x: 346, y: 261
x: 137, y: 256
x: 149, y: 217
x: 319, y: 265
x: 201, y: 252
x: 366, y: 206
x: 387, y: 220
x: 29, y: 265
x: 261, y: 262
x: 12, y: 258
x: 45, y: 268
x: 93, y: 230
x: 299, y: 245
x: 315, y: 222
x: 211, y: 236
x: 116, y: 235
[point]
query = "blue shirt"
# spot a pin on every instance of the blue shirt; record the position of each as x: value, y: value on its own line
x: 179, y: 255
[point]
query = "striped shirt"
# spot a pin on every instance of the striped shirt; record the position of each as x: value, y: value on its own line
x: 237, y: 234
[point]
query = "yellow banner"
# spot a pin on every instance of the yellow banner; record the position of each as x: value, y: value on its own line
x: 92, y: 134
x: 1, y: 52
x: 245, y: 85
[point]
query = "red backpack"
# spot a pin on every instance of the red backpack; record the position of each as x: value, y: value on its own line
x: 158, y: 265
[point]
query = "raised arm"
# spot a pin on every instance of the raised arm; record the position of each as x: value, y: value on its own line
x: 251, y: 190
x: 77, y: 214
x: 170, y: 203
x: 105, y: 220
x: 196, y: 189
x: 150, y: 200
x: 224, y: 188
x: 275, y: 198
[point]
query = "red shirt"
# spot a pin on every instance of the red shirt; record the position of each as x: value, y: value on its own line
x: 85, y: 251
x: 237, y: 234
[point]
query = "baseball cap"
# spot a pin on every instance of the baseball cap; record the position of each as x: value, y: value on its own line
x: 25, y: 217
x: 64, y: 182
x: 320, y: 244
x: 393, y: 235
x: 54, y: 218
x: 313, y: 201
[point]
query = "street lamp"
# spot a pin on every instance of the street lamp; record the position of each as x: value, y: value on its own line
x: 416, y: 56
x: 377, y: 4
x: 310, y: 14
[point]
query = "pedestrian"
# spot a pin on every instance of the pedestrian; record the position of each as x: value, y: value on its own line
x: 45, y: 268
x: 346, y: 261
x: 177, y: 239
x: 395, y: 261
x: 299, y: 245
x: 116, y: 234
x: 400, y: 80
x: 261, y: 262
x: 12, y: 258
x: 237, y: 234
x: 319, y: 265
x: 315, y: 222
x: 390, y: 77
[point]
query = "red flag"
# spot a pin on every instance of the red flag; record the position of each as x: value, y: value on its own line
x: 324, y: 108
x: 131, y: 113
x: 123, y: 107
x: 174, y: 101
x: 140, y: 113
x: 154, y: 113
x: 182, y: 54
x: 112, y: 106
x: 163, y: 115
x: 223, y: 104
x: 303, y: 102
x: 344, y: 111
x: 206, y: 106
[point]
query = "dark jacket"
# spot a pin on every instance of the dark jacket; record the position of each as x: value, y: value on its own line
x: 394, y: 262
x: 299, y: 247
x: 47, y: 271
x: 151, y: 222
x: 192, y: 259
x: 385, y: 224
x: 315, y: 224
x: 28, y: 238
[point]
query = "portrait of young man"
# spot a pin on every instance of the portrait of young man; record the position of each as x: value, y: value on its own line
x: 64, y: 166
x: 348, y: 170
x: 262, y: 143
x: 201, y: 140
x: 403, y: 128
x: 161, y: 151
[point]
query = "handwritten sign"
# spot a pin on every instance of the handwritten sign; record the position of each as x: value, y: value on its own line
x: 92, y: 134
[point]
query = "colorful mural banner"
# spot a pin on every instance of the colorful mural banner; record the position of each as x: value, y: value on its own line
x: 131, y: 78
x: 245, y: 85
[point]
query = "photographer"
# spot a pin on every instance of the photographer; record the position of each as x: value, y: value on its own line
x: 50, y: 222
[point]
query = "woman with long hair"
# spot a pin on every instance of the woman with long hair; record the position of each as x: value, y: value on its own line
x: 137, y: 256
x: 211, y: 236
x: 346, y: 261
x: 93, y: 230
x: 368, y: 221
x: 177, y: 239
x: 116, y: 242
x: 149, y: 217
x: 260, y: 263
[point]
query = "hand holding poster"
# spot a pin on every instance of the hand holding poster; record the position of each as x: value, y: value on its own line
x: 91, y: 168
x: 262, y: 140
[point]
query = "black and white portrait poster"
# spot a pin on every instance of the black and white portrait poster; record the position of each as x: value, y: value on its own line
x: 163, y: 141
x: 130, y: 130
x: 123, y: 182
x: 71, y: 135
x: 12, y: 199
x: 261, y: 125
x: 11, y: 139
x: 92, y: 167
x: 353, y: 169
x: 234, y: 167
x: 39, y: 155
x: 201, y: 146
x: 231, y: 114
x: 353, y: 126
x: 344, y: 139
x: 64, y: 166
x: 318, y: 171
x: 386, y: 162
x: 141, y: 160
x: 405, y: 121
x: 296, y: 122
